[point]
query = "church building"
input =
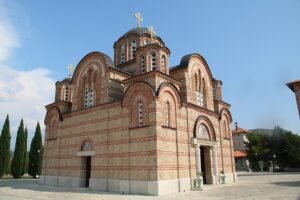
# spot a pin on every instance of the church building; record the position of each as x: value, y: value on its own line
x: 136, y: 125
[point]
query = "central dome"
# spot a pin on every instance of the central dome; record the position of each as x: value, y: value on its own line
x: 138, y: 31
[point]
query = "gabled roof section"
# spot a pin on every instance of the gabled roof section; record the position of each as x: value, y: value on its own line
x: 186, y: 59
x: 291, y: 85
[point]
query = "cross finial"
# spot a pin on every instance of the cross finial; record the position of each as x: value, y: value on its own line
x: 70, y: 69
x: 152, y: 33
x: 139, y: 19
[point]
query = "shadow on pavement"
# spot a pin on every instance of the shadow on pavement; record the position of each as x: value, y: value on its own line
x: 288, y: 183
x: 34, y: 185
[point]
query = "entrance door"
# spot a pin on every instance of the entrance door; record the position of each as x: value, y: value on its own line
x: 203, y: 164
x: 88, y: 171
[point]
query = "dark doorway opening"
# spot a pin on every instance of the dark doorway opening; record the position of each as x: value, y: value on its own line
x: 202, y: 150
x: 88, y: 171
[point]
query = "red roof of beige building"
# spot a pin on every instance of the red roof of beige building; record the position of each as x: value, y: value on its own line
x: 238, y: 153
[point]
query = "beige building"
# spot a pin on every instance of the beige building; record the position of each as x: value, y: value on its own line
x: 135, y: 125
x: 295, y: 87
x: 240, y: 139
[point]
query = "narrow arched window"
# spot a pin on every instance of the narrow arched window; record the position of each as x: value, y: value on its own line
x: 225, y: 129
x: 91, y: 96
x: 163, y: 63
x: 133, y: 48
x: 86, y: 96
x: 143, y: 65
x: 168, y: 114
x: 140, y: 113
x: 66, y: 96
x: 203, y: 93
x: 153, y: 61
x: 122, y: 53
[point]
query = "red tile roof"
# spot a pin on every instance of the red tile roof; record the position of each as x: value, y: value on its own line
x: 238, y: 153
x: 240, y: 130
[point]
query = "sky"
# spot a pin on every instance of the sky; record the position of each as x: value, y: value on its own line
x: 252, y: 46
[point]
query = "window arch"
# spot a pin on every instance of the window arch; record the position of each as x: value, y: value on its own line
x: 163, y: 63
x: 202, y: 132
x: 168, y: 114
x: 52, y: 129
x: 89, y: 89
x: 139, y: 112
x: 66, y: 93
x: 143, y: 65
x: 153, y: 61
x: 122, y: 53
x: 133, y: 48
x: 200, y: 89
x: 86, y: 146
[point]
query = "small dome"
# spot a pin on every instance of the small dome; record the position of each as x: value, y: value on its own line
x: 138, y: 31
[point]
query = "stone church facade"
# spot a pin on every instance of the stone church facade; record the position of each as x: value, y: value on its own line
x: 135, y: 125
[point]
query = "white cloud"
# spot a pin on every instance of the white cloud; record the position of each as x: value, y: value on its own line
x: 8, y: 36
x: 24, y: 94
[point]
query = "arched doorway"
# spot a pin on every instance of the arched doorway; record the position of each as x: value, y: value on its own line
x: 205, y: 147
x: 202, y: 133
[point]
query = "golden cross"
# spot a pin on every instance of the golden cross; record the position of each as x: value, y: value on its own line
x: 152, y: 33
x: 70, y: 69
x: 139, y: 19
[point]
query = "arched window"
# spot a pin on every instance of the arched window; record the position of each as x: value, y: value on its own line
x: 153, y: 61
x: 59, y: 94
x: 66, y: 96
x: 163, y: 63
x: 140, y: 112
x: 86, y: 146
x: 202, y: 132
x: 143, y: 66
x: 203, y: 93
x: 197, y: 91
x: 52, y: 129
x: 168, y: 114
x: 133, y: 48
x: 122, y: 53
x: 89, y: 92
x: 225, y: 129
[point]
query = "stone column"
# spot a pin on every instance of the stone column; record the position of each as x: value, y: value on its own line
x: 198, y: 159
x: 215, y: 160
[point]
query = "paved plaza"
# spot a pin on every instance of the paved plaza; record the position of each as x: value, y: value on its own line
x: 279, y: 186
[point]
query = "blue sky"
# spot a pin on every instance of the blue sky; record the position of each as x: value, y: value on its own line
x: 252, y: 46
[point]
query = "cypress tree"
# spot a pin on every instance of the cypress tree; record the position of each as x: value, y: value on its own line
x: 35, y: 154
x: 25, y: 152
x: 18, y: 159
x: 5, y: 148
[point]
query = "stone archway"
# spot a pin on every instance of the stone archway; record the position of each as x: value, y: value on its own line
x: 205, y: 152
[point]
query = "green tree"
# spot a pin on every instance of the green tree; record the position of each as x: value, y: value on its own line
x: 25, y: 152
x: 35, y: 154
x: 18, y: 159
x: 5, y: 148
x: 281, y: 147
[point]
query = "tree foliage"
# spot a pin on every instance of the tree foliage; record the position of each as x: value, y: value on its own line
x: 5, y: 148
x: 281, y: 147
x: 25, y: 152
x: 35, y: 154
x: 18, y: 159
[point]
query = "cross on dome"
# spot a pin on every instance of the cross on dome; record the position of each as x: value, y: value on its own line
x: 139, y: 19
x: 151, y: 31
